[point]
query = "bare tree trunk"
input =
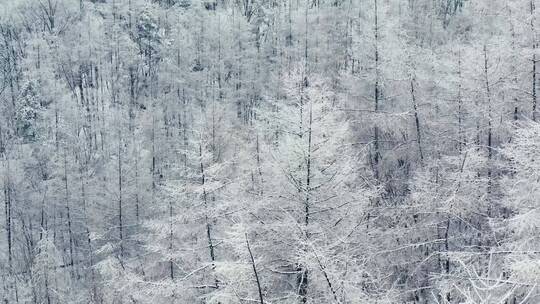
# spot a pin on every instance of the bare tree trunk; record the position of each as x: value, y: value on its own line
x: 68, y: 212
x: 461, y: 136
x: 257, y: 280
x: 261, y: 179
x: 153, y: 168
x: 534, y: 61
x: 93, y: 291
x: 447, y: 262
x: 8, y: 213
x: 9, y: 226
x: 120, y: 212
x: 489, y: 130
x: 308, y: 170
x: 306, y: 39
x: 171, y: 238
x: 417, y: 121
x: 377, y: 154
x: 205, y: 201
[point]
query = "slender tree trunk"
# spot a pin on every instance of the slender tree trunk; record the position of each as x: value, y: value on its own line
x: 490, y: 122
x: 308, y: 169
x: 461, y: 136
x: 255, y: 273
x: 534, y: 60
x: 120, y: 202
x: 9, y: 226
x: 68, y: 212
x: 417, y: 121
x: 377, y: 155
x: 8, y: 213
x: 306, y: 39
x: 93, y: 291
x: 446, y: 248
x: 171, y: 238
x: 302, y: 269
x: 261, y: 179
x: 206, y: 207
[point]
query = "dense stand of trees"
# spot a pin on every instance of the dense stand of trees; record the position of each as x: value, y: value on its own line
x: 280, y: 151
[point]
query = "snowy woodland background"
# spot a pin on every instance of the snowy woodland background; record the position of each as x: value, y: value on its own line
x: 269, y: 151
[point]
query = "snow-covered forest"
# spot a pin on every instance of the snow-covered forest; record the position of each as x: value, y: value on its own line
x: 269, y: 151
